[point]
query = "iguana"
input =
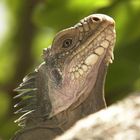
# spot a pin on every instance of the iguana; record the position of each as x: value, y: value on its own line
x: 69, y: 84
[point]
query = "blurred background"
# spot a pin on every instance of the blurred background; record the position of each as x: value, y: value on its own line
x: 28, y: 26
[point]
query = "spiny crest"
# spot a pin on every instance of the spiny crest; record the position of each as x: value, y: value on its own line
x: 46, y: 53
x: 27, y: 92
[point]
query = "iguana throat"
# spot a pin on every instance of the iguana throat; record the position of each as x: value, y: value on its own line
x: 75, y: 59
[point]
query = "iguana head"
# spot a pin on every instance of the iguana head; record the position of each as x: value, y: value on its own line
x: 75, y: 57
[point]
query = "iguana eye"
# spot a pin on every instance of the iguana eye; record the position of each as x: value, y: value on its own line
x: 67, y: 43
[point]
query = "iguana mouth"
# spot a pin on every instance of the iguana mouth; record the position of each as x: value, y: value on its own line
x: 88, y: 56
x: 92, y: 53
x: 83, y: 70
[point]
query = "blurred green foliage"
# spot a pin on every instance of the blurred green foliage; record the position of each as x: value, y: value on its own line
x: 26, y: 27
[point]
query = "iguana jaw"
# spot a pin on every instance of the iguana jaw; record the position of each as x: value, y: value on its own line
x: 81, y: 67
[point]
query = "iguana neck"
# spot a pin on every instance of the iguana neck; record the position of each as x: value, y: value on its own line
x: 96, y: 100
x: 93, y: 103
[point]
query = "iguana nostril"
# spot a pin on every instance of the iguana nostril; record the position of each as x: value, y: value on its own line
x: 96, y: 19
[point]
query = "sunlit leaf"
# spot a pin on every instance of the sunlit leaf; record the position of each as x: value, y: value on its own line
x: 87, y: 4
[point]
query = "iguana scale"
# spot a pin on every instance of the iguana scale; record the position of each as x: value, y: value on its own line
x: 69, y: 84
